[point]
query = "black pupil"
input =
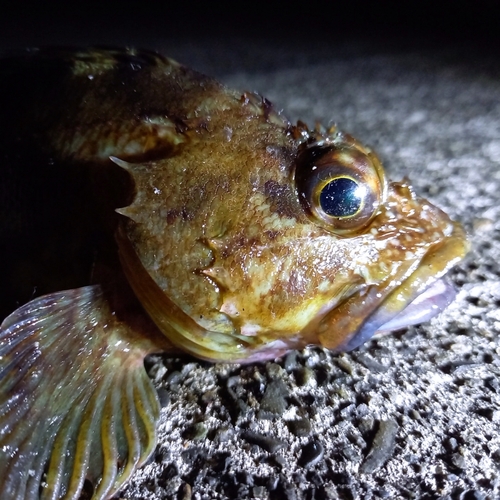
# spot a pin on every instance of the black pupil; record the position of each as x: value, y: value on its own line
x: 340, y: 198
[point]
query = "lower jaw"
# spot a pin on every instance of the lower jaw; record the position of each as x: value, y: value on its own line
x: 425, y: 306
x: 419, y: 297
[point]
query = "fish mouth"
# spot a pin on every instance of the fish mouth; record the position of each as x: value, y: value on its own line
x: 419, y: 297
x: 425, y: 306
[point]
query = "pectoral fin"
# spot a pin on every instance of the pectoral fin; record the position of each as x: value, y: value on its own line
x: 77, y: 410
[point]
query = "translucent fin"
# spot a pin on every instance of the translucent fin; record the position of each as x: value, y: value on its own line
x: 77, y: 410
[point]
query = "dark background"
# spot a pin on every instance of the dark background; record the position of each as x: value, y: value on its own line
x: 399, y: 23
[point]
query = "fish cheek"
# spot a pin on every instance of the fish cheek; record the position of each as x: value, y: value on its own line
x: 275, y: 288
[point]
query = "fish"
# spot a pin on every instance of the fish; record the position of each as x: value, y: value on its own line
x: 145, y: 208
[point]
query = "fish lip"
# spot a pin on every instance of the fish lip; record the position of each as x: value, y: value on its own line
x: 425, y: 306
x: 418, y: 293
x: 421, y: 308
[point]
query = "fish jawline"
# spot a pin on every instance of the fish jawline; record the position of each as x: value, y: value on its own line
x: 425, y: 306
x: 422, y: 296
x: 437, y: 297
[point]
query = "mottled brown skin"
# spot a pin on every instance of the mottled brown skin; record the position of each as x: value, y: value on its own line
x: 198, y: 213
x: 216, y: 219
x: 220, y: 228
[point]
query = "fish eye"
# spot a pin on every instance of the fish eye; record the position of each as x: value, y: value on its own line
x: 341, y: 188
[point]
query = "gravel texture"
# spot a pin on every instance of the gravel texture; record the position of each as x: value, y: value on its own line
x: 413, y: 415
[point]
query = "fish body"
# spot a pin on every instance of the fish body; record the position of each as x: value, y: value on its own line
x: 146, y: 207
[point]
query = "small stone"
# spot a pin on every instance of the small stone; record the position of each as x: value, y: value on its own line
x: 157, y: 372
x: 197, y: 432
x: 274, y: 399
x: 330, y: 493
x: 472, y: 495
x: 300, y: 427
x: 458, y: 461
x: 362, y: 410
x: 246, y: 478
x: 312, y: 453
x: 163, y: 397
x: 222, y: 462
x: 415, y: 415
x: 372, y: 364
x: 366, y: 425
x: 209, y: 397
x: 223, y: 435
x: 351, y: 453
x: 279, y: 461
x: 272, y: 483
x: 185, y: 492
x: 242, y: 491
x: 306, y: 376
x: 267, y: 443
x: 174, y: 378
x: 288, y: 490
x: 382, y: 446
x: 192, y: 454
x: 290, y: 362
x: 235, y: 390
x: 167, y: 474
x: 274, y: 371
x: 451, y: 444
x: 259, y: 492
x: 345, y: 363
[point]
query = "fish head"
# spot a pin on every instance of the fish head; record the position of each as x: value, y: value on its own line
x: 280, y: 240
x: 398, y: 246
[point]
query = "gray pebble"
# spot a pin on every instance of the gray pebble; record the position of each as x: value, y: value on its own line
x: 451, y: 444
x: 259, y: 492
x: 185, y: 492
x: 272, y: 483
x: 371, y: 363
x: 274, y: 400
x: 351, y: 453
x: 345, y: 363
x: 265, y: 442
x: 174, y: 378
x: 279, y: 461
x: 197, y: 432
x: 163, y: 396
x: 275, y: 371
x: 312, y: 453
x: 306, y: 376
x: 300, y: 427
x: 223, y: 435
x: 366, y: 425
x: 290, y: 361
x: 472, y: 495
x: 382, y: 446
x: 458, y: 461
x: 288, y: 490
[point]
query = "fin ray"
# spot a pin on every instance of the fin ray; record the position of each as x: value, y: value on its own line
x: 76, y: 404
